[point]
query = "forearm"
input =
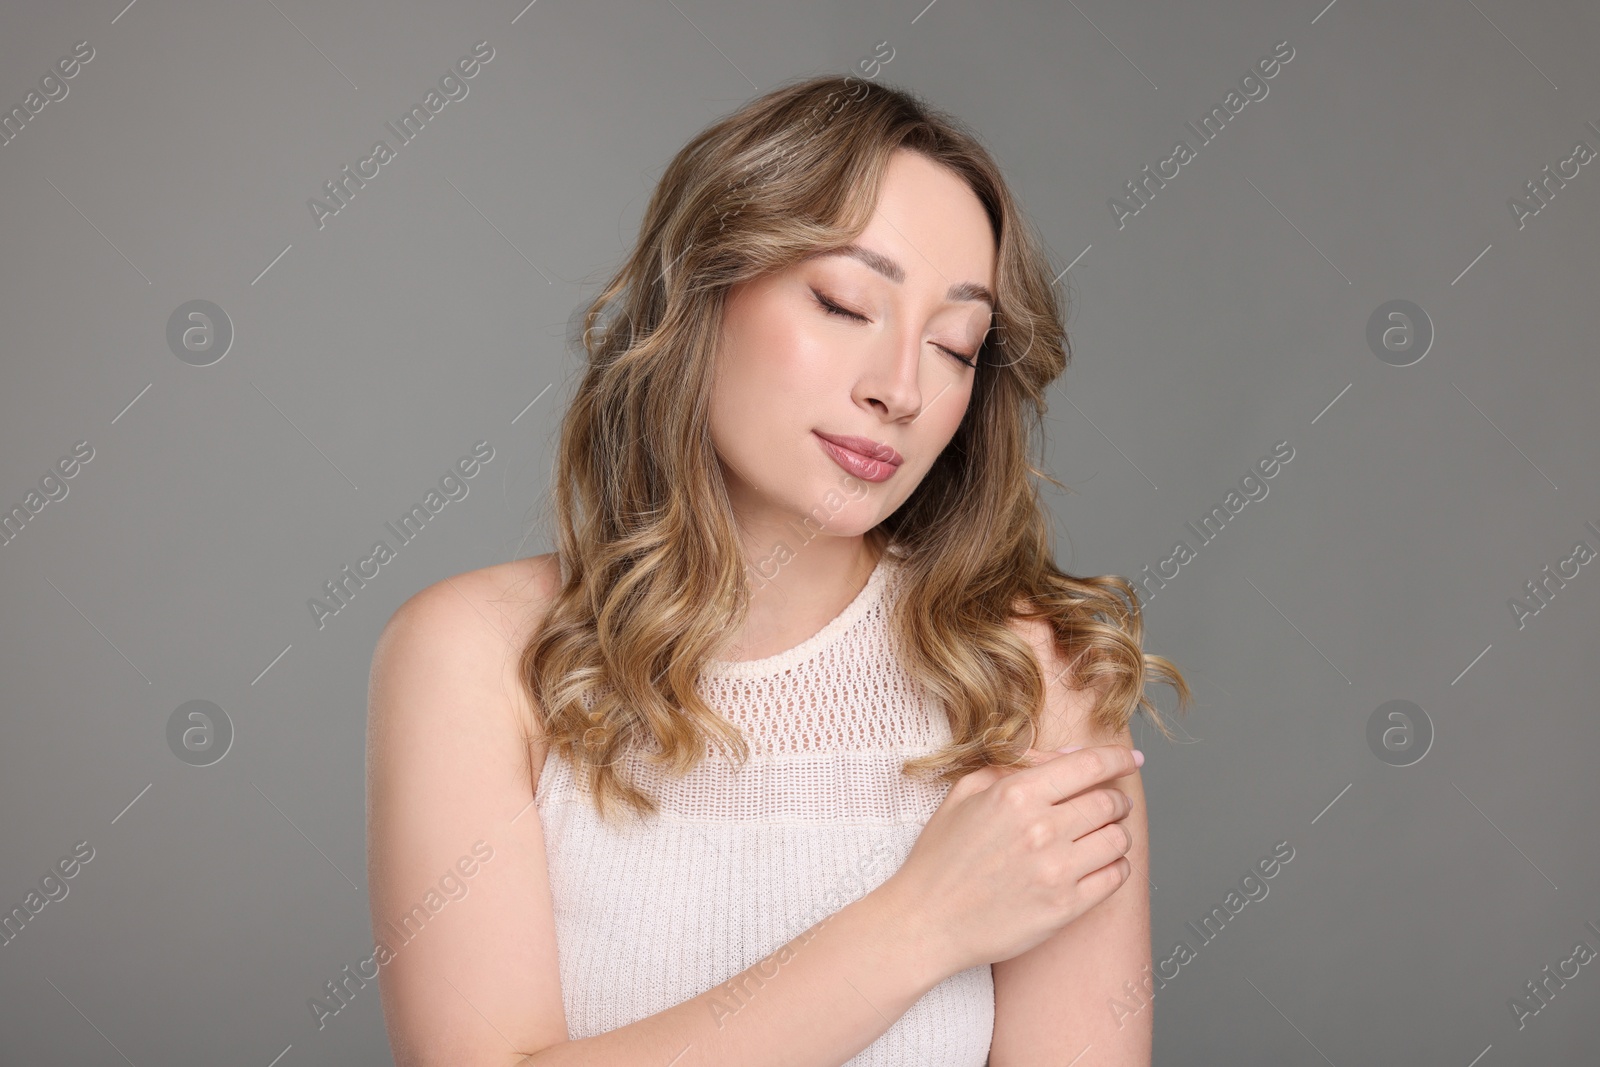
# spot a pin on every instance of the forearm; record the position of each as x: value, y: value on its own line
x: 815, y: 1002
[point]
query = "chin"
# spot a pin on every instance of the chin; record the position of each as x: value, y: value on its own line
x: 842, y: 515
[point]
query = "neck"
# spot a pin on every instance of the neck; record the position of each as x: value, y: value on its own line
x: 794, y: 593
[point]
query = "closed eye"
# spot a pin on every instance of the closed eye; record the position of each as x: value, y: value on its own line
x: 834, y: 309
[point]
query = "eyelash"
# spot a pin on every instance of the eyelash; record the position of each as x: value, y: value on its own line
x: 834, y: 309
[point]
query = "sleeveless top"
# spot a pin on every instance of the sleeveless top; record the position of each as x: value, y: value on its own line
x: 738, y: 862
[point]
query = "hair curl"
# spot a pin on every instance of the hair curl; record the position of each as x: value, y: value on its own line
x: 653, y: 574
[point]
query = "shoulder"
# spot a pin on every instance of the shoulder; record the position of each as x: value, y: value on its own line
x: 508, y: 600
x: 452, y: 755
x: 1066, y: 717
x: 469, y: 630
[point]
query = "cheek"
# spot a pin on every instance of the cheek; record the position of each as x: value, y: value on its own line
x: 939, y: 423
x: 763, y: 381
x: 736, y: 426
x: 779, y: 366
x: 945, y: 415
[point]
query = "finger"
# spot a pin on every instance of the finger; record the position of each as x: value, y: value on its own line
x: 1031, y: 757
x: 1089, y: 811
x: 1099, y: 884
x: 1054, y: 780
x: 1102, y: 847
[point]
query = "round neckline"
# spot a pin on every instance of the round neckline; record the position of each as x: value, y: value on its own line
x: 831, y: 631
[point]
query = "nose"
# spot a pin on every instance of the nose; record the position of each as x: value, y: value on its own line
x: 892, y: 386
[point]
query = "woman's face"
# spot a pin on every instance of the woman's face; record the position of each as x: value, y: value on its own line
x: 792, y: 372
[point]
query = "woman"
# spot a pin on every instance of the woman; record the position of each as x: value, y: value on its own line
x: 764, y: 758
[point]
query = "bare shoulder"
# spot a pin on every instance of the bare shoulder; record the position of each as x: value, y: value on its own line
x: 473, y: 626
x: 453, y: 761
x: 1066, y: 718
x: 510, y: 599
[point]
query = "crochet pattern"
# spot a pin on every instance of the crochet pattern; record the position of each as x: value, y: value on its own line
x: 740, y: 860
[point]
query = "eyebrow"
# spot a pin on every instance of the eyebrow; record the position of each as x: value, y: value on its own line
x: 961, y: 291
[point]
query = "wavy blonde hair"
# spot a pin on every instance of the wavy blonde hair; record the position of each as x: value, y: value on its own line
x: 653, y: 573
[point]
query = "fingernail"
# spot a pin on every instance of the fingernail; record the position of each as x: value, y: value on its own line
x: 1069, y: 748
x: 1138, y: 758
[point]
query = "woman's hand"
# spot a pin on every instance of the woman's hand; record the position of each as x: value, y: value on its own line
x: 1013, y: 854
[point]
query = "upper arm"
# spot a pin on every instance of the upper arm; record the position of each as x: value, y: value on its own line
x: 1063, y: 995
x: 459, y: 888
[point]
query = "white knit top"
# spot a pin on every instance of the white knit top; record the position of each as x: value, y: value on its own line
x: 738, y: 862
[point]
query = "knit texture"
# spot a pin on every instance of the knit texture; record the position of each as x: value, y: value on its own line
x: 739, y: 861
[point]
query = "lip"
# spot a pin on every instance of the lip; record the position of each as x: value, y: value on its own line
x: 861, y: 456
x: 864, y: 446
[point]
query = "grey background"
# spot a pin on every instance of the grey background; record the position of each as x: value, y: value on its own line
x: 1229, y: 315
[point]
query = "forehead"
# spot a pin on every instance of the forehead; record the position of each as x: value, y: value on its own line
x: 930, y: 223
